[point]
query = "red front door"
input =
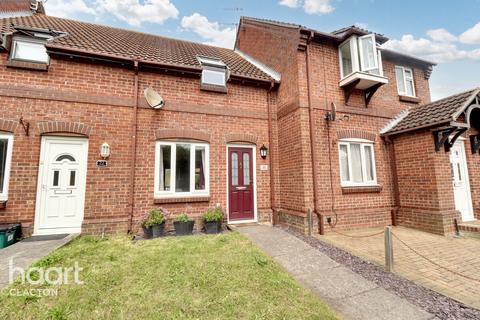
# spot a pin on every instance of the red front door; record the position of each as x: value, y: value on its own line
x: 240, y: 184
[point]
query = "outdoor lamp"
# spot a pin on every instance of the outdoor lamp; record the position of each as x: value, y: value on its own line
x: 263, y: 151
x: 105, y: 150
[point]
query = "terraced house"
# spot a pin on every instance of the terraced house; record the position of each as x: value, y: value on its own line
x: 309, y: 129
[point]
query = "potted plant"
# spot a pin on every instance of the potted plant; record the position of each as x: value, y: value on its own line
x: 212, y: 220
x: 146, y: 226
x: 157, y: 221
x: 183, y: 225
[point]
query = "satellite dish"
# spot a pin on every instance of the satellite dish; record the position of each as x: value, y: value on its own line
x: 154, y: 100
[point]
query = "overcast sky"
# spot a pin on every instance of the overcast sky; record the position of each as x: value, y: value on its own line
x: 443, y: 31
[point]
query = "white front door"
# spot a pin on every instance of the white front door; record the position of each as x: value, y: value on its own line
x: 461, y: 182
x: 61, y: 185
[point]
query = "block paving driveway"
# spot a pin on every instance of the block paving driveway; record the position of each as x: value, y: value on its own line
x: 461, y: 255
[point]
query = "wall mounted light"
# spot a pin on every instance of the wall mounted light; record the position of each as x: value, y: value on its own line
x: 263, y: 152
x: 105, y: 150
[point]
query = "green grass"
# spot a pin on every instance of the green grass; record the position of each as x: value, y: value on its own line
x: 194, y: 277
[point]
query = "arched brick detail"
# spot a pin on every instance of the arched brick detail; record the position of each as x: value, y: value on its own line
x: 8, y: 125
x: 241, y: 137
x: 62, y: 126
x: 356, y: 134
x: 162, y: 134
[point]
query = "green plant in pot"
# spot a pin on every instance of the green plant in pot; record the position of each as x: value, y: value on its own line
x: 212, y: 220
x: 153, y: 224
x: 183, y: 225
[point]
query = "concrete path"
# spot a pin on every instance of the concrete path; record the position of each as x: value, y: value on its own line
x: 26, y: 252
x: 349, y: 294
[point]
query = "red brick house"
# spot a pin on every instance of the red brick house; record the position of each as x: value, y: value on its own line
x: 82, y: 150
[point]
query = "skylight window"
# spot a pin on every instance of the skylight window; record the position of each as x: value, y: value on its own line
x: 214, y: 74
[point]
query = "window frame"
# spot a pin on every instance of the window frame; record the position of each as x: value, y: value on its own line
x: 158, y: 194
x: 357, y: 57
x: 213, y: 65
x: 39, y: 41
x: 8, y: 164
x: 404, y: 77
x: 363, y: 143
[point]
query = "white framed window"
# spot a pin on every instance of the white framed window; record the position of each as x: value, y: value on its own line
x: 360, y: 54
x: 357, y: 163
x: 6, y: 146
x: 29, y: 49
x: 181, y: 169
x: 405, y: 83
x: 215, y: 71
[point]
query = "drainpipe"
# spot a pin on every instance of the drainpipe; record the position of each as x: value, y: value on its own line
x: 134, y: 148
x: 270, y: 143
x: 312, y: 138
x: 396, y: 188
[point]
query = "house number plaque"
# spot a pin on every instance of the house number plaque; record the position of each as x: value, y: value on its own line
x: 102, y: 163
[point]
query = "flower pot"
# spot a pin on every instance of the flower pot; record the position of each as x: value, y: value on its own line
x: 158, y: 230
x: 183, y: 228
x: 147, y: 232
x: 212, y: 227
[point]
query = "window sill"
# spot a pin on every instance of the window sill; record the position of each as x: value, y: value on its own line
x: 214, y: 88
x: 181, y: 200
x: 362, y: 189
x: 408, y: 99
x: 3, y: 204
x: 27, y: 65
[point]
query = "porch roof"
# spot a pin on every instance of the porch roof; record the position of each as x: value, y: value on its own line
x: 437, y: 113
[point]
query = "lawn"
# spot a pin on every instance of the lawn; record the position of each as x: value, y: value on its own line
x: 194, y: 277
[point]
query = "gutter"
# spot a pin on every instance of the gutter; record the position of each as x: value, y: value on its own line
x: 270, y: 144
x: 113, y: 58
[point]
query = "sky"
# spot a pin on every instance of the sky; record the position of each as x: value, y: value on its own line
x: 443, y: 31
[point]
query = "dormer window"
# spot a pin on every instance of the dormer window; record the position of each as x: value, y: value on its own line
x: 29, y: 50
x: 214, y: 74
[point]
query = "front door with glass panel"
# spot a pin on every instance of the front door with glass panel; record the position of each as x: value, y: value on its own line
x: 461, y: 184
x: 240, y: 184
x: 61, y: 185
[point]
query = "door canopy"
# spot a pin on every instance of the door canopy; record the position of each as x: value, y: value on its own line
x: 448, y: 119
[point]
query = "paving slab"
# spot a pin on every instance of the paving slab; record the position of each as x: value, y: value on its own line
x: 24, y: 253
x: 348, y: 293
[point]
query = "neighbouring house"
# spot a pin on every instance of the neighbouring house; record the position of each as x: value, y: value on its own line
x: 309, y: 129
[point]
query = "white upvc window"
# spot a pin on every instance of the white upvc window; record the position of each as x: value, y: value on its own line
x: 360, y: 54
x: 215, y: 71
x: 181, y: 169
x: 357, y: 163
x: 6, y: 146
x: 405, y: 83
x: 29, y: 49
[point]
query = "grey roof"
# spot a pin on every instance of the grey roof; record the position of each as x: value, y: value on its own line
x: 435, y: 113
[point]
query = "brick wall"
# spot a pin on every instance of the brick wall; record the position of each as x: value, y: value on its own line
x: 101, y: 97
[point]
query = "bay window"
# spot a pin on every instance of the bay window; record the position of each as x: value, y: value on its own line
x: 360, y: 54
x: 214, y: 73
x: 357, y: 163
x: 405, y: 84
x: 6, y: 141
x: 181, y: 169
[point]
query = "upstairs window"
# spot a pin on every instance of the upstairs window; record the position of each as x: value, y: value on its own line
x: 29, y: 49
x: 360, y: 54
x: 405, y: 84
x: 357, y: 163
x: 6, y: 141
x: 214, y: 73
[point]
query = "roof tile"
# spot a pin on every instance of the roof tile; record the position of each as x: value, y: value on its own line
x: 127, y: 44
